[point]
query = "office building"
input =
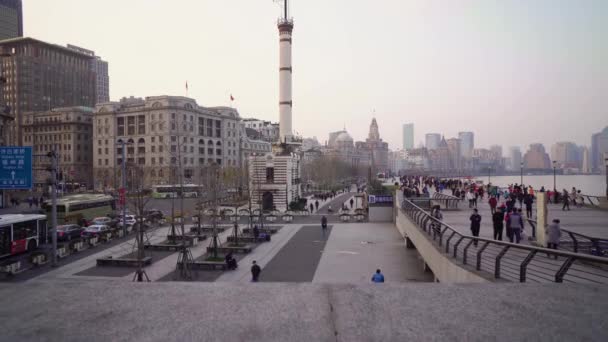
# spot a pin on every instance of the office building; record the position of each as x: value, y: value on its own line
x: 408, y: 136
x: 536, y: 158
x: 467, y: 144
x: 100, y: 68
x: 566, y: 155
x: 432, y: 141
x: 41, y: 76
x: 599, y: 146
x: 11, y: 19
x: 68, y: 132
x: 514, y: 159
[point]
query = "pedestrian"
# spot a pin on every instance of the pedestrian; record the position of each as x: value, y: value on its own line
x: 566, y: 199
x: 554, y: 233
x: 516, y: 223
x: 256, y: 232
x: 352, y: 202
x: 528, y: 200
x: 493, y: 203
x: 475, y: 224
x: 312, y: 207
x: 323, y: 224
x: 317, y: 204
x: 497, y: 221
x: 378, y: 277
x: 41, y: 200
x: 436, y: 213
x: 255, y: 272
x: 471, y: 198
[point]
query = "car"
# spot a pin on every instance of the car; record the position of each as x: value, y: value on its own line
x: 68, y: 232
x: 104, y: 220
x: 130, y: 219
x: 95, y: 230
x: 154, y: 215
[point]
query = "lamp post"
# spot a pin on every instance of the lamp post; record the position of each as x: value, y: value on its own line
x: 606, y: 163
x: 554, y: 176
x: 123, y: 192
x: 489, y: 171
x: 521, y: 174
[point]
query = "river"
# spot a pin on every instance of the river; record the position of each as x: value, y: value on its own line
x: 588, y: 184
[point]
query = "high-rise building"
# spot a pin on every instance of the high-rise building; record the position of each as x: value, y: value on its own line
x: 11, y: 19
x: 514, y: 159
x: 565, y: 154
x: 377, y: 149
x: 41, y: 76
x: 599, y: 146
x: 455, y: 154
x: 408, y: 136
x: 467, y: 144
x: 536, y: 158
x: 432, y: 141
x: 586, y: 163
x: 100, y: 67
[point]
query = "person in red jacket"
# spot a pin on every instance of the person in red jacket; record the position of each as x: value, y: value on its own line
x: 493, y: 203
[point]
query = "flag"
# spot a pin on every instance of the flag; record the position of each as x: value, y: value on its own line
x: 231, y: 97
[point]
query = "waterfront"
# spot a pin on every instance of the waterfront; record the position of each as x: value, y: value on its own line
x: 588, y: 184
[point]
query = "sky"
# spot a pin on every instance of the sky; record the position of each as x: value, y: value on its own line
x: 514, y: 72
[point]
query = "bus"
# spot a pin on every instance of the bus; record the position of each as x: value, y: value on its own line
x: 173, y: 191
x: 74, y: 208
x: 21, y: 233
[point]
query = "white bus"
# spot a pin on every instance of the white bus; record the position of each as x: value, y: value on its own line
x: 73, y: 208
x: 21, y: 233
x: 173, y: 191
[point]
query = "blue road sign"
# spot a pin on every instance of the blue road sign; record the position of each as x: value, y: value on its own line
x: 16, y: 167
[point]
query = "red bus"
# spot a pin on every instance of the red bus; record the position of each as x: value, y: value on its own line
x: 21, y: 233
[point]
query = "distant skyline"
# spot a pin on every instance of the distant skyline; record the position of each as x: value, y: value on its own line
x: 512, y: 72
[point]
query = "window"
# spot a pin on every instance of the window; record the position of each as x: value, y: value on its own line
x: 210, y: 150
x: 153, y: 148
x: 161, y: 160
x: 153, y: 139
x: 160, y: 148
x: 209, y: 127
x: 141, y: 124
x: 141, y: 161
x: 120, y: 122
x: 153, y: 161
x: 218, y: 152
x: 131, y: 125
x: 106, y: 162
x: 218, y: 129
x: 270, y: 175
x: 173, y: 148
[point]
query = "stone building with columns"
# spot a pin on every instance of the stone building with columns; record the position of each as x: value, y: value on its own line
x: 161, y: 135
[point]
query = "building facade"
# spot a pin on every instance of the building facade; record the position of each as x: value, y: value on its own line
x: 455, y: 153
x: 274, y: 180
x: 11, y: 19
x: 100, y: 68
x: 41, y: 76
x: 432, y: 140
x: 408, y: 136
x: 467, y: 144
x: 536, y: 158
x: 599, y: 147
x: 68, y: 132
x: 377, y: 149
x: 266, y: 130
x: 566, y: 154
x: 514, y: 159
x: 163, y: 135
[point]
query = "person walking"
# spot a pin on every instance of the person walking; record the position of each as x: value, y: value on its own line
x: 554, y: 233
x: 493, y: 202
x: 475, y: 224
x: 324, y: 224
x: 255, y: 272
x: 516, y: 223
x: 378, y: 277
x: 312, y: 208
x: 566, y: 199
x: 471, y: 198
x: 497, y: 222
x: 352, y: 202
x: 317, y: 204
x: 528, y: 200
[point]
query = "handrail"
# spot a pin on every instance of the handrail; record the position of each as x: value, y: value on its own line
x: 451, y: 202
x: 506, y: 260
x: 578, y: 242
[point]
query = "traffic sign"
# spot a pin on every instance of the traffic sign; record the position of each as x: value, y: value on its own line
x: 16, y: 167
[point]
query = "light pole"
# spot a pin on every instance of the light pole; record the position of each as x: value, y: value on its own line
x: 521, y: 173
x: 606, y: 163
x: 554, y: 176
x: 123, y: 192
x: 489, y: 171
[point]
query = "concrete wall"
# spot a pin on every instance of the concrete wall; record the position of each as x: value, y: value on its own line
x: 445, y: 268
x: 381, y: 214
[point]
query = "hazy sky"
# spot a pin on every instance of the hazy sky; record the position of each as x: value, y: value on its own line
x: 514, y: 72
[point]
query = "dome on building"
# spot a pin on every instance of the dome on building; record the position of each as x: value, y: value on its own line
x: 344, y: 137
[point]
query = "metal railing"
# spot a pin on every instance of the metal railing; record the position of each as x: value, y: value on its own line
x: 577, y: 242
x: 509, y: 261
x: 592, y: 201
x: 449, y: 202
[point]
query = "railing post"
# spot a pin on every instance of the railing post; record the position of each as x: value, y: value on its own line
x: 483, y: 248
x: 574, y: 242
x: 456, y: 246
x: 466, y: 249
x: 595, y: 243
x: 447, y: 242
x: 497, y: 264
x: 524, y: 265
x: 559, y: 276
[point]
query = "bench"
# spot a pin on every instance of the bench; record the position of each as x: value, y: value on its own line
x: 207, y: 229
x: 248, y: 238
x: 208, y: 265
x: 123, y: 262
x: 163, y: 247
x: 269, y: 230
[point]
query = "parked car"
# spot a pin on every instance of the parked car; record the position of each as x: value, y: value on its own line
x: 154, y: 215
x: 95, y: 230
x: 129, y: 219
x: 103, y: 221
x: 68, y: 232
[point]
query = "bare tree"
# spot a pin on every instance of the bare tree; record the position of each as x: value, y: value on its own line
x: 137, y: 199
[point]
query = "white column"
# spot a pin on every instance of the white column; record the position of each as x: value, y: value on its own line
x: 285, y: 71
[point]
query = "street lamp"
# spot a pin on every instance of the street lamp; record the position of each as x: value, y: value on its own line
x: 554, y: 176
x: 123, y: 192
x: 521, y: 169
x: 606, y: 163
x: 489, y: 171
